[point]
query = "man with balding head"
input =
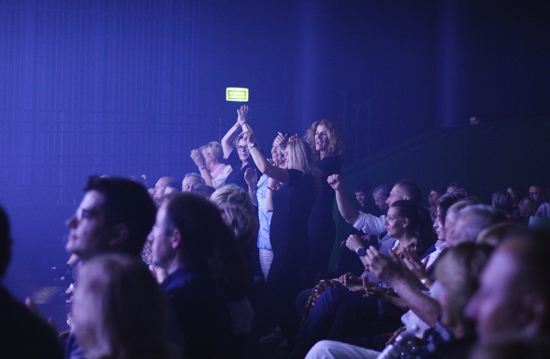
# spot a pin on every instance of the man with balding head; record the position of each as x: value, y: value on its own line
x: 158, y: 194
x: 471, y: 221
x: 514, y: 294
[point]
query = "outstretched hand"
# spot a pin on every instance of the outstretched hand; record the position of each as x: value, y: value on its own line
x: 335, y: 181
x: 242, y: 114
x: 281, y: 141
x: 197, y: 157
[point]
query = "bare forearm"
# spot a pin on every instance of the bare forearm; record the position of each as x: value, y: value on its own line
x: 346, y: 208
x: 229, y: 139
x: 424, y: 306
x: 278, y: 174
x: 206, y: 177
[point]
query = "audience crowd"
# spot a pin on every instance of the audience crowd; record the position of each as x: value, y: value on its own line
x: 184, y: 269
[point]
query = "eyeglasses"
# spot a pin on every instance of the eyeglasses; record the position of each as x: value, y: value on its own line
x: 242, y: 148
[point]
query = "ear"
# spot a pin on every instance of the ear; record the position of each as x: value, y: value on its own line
x: 535, y: 313
x: 406, y: 198
x: 176, y: 239
x: 120, y: 235
x: 405, y: 221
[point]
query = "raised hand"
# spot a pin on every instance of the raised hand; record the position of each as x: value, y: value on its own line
x: 281, y: 140
x: 251, y: 177
x: 335, y: 181
x: 413, y: 263
x: 242, y: 114
x: 197, y: 157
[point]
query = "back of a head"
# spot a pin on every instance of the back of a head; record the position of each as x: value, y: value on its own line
x: 234, y: 195
x: 494, y: 235
x: 445, y: 202
x: 199, y: 222
x: 411, y: 190
x: 5, y: 242
x: 382, y: 191
x: 459, y: 269
x: 475, y: 218
x: 503, y: 201
x: 242, y: 222
x: 527, y: 207
x: 301, y: 156
x: 119, y: 309
x: 127, y: 202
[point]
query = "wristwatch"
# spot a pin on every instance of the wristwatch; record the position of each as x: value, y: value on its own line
x: 360, y: 251
x: 251, y: 144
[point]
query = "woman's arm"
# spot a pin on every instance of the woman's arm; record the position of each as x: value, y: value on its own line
x: 251, y: 179
x: 272, y: 186
x: 199, y: 161
x: 271, y: 171
x: 228, y: 141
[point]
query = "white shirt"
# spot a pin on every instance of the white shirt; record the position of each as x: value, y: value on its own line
x: 370, y: 224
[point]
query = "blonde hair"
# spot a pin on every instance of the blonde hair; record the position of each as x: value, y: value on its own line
x: 213, y: 148
x: 301, y: 157
x: 336, y: 146
x: 119, y: 310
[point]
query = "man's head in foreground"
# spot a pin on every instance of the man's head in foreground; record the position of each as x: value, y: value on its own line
x: 115, y: 215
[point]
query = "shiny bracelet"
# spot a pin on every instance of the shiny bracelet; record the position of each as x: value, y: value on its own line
x: 202, y: 167
x: 271, y: 189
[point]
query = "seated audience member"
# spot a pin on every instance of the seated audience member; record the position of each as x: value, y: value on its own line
x: 471, y: 221
x: 453, y: 187
x: 452, y: 335
x: 495, y: 234
x: 115, y: 216
x: 191, y: 179
x: 172, y: 187
x: 435, y: 193
x: 543, y: 211
x: 516, y: 194
x: 187, y: 233
x: 514, y: 294
x: 537, y: 193
x: 503, y: 201
x: 362, y: 192
x: 112, y: 323
x: 209, y: 159
x: 202, y: 190
x: 235, y: 149
x: 22, y: 333
x: 369, y: 224
x: 527, y: 207
x: 380, y: 195
x: 160, y: 188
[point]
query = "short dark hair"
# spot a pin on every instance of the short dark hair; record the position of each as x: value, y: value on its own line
x: 445, y: 202
x: 411, y: 190
x: 5, y: 242
x: 199, y: 221
x: 503, y: 201
x: 127, y: 202
x: 174, y: 184
x: 362, y: 186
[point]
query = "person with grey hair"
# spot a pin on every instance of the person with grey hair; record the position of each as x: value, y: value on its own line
x: 380, y: 194
x: 189, y: 180
x: 471, y: 221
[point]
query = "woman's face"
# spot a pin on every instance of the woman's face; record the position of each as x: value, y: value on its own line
x: 286, y: 160
x: 438, y: 226
x: 321, y: 139
x: 394, y: 223
x: 277, y: 154
x: 242, y: 150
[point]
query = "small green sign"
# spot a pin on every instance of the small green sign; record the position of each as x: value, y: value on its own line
x: 237, y: 94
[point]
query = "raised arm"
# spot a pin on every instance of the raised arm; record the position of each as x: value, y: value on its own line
x: 271, y: 171
x: 228, y: 141
x: 346, y: 208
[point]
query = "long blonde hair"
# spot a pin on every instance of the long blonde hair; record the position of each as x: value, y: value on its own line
x: 301, y: 157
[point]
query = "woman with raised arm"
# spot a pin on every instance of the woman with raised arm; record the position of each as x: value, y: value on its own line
x: 327, y: 143
x: 290, y: 195
x: 209, y: 159
x: 240, y: 159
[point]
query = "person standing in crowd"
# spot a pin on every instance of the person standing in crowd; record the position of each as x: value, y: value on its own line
x: 380, y: 195
x: 240, y: 159
x: 327, y: 143
x: 291, y: 193
x: 209, y: 159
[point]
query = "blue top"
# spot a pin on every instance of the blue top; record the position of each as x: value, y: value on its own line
x: 263, y: 215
